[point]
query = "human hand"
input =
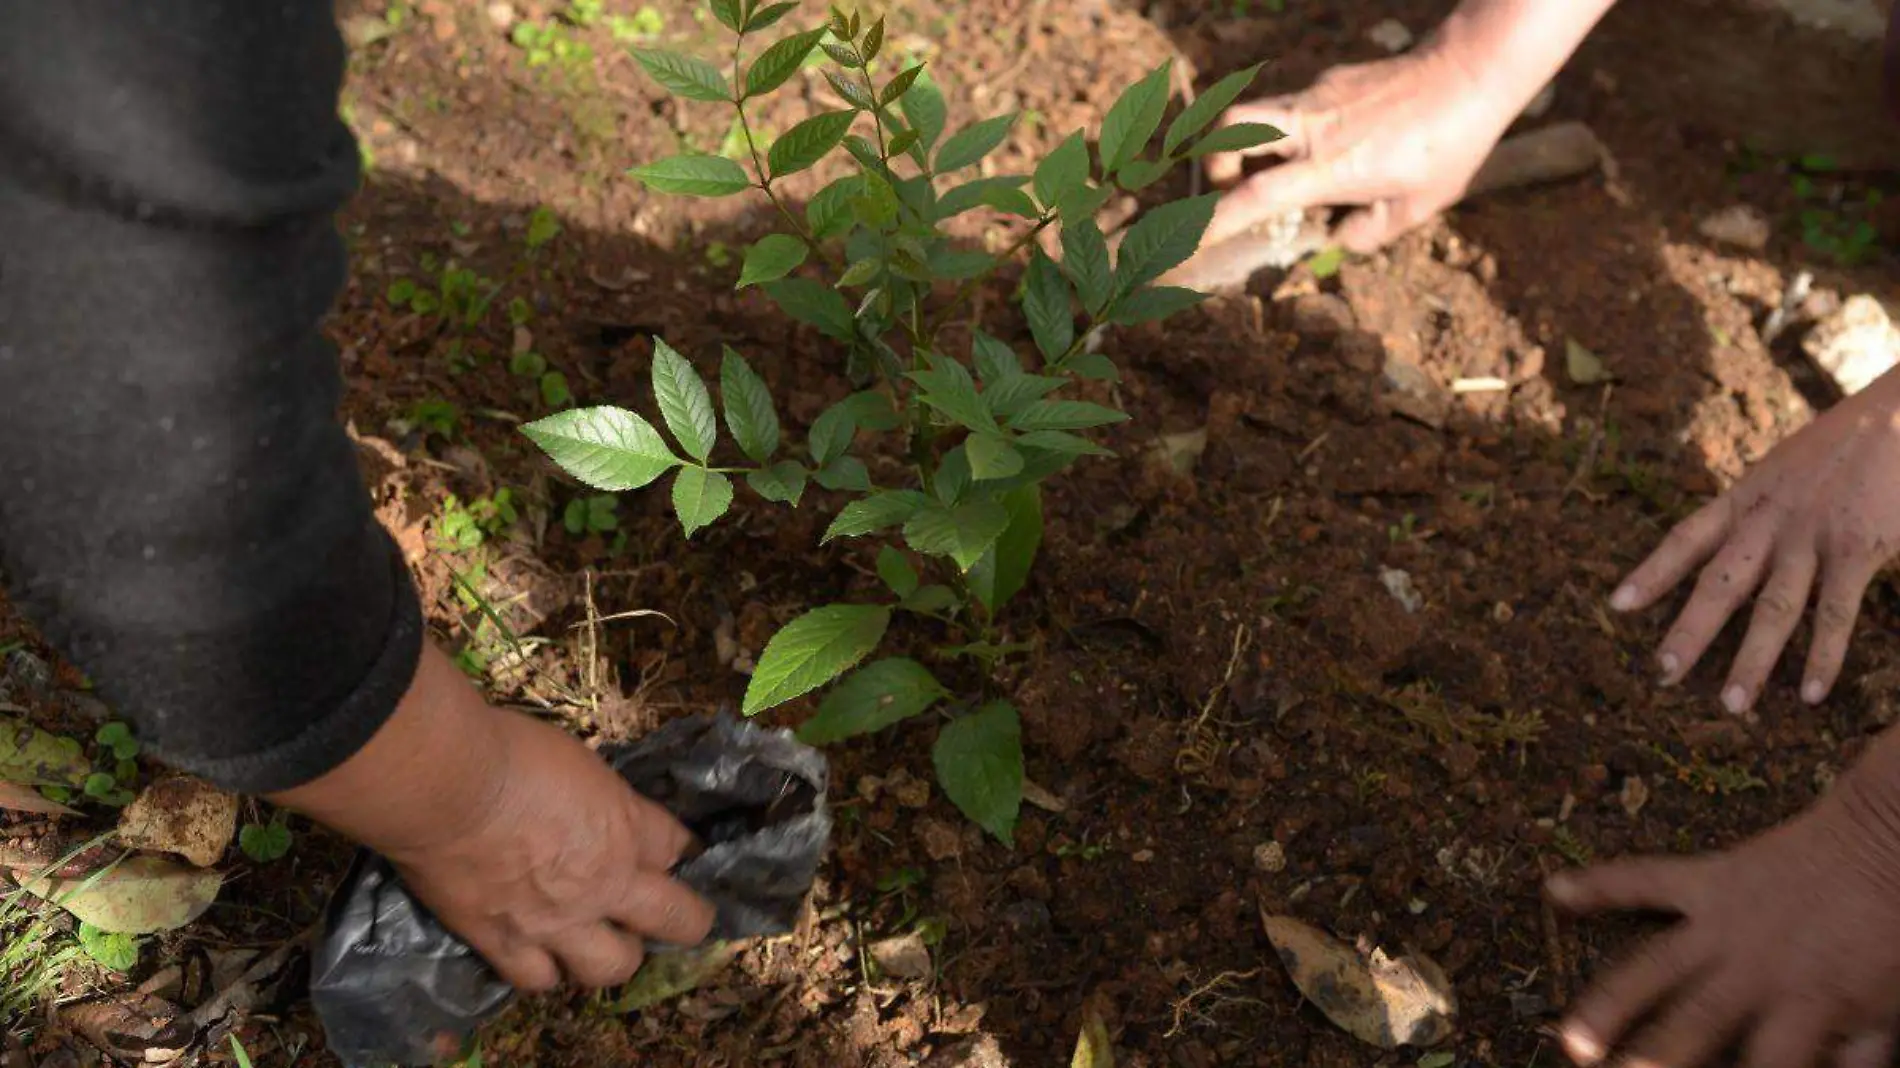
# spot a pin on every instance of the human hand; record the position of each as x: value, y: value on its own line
x: 1789, y: 944
x: 1400, y: 138
x: 1823, y: 508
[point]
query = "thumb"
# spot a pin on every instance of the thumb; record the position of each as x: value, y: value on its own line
x: 1379, y: 224
x: 1273, y: 192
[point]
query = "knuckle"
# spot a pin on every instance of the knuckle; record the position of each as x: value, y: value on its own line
x: 1776, y: 605
x: 1836, y: 614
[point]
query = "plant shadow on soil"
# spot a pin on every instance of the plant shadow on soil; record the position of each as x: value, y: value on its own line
x: 1219, y: 664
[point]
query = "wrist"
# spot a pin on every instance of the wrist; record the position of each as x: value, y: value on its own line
x: 1508, y: 50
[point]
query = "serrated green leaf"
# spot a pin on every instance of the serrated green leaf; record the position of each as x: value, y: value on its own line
x: 853, y: 91
x: 876, y: 696
x: 895, y: 89
x: 874, y: 40
x: 1207, y: 107
x: 968, y: 146
x: 700, y: 497
x: 831, y: 433
x: 1095, y: 366
x: 992, y: 457
x: 948, y: 388
x: 963, y: 532
x: 1063, y: 171
x: 932, y: 598
x: 768, y: 17
x: 684, y: 402
x: 861, y: 273
x: 1139, y: 174
x: 783, y: 482
x: 871, y: 410
x: 901, y: 142
x: 1065, y: 415
x: 1085, y: 203
x: 1002, y: 192
x: 843, y: 54
x: 771, y: 258
x: 776, y: 65
x: 750, y: 414
x: 829, y: 213
x: 952, y: 476
x: 896, y: 571
x: 1134, y: 117
x: 115, y: 952
x: 846, y: 473
x: 876, y: 512
x: 693, y: 175
x: 1164, y: 239
x: 979, y: 760
x: 1061, y: 442
x: 1154, y: 304
x: 956, y: 265
x: 924, y: 108
x: 1007, y: 396
x: 1085, y: 260
x: 728, y: 14
x: 814, y: 304
x: 1003, y: 571
x: 812, y: 650
x: 1046, y: 303
x: 808, y: 142
x: 687, y: 76
x: 606, y: 448
x: 1237, y: 138
x: 995, y: 361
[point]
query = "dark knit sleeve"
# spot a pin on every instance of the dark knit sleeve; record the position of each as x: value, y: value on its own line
x: 181, y: 512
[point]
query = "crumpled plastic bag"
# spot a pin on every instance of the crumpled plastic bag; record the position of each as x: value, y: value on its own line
x: 392, y: 985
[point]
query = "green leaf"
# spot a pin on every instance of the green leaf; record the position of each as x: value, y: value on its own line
x: 829, y: 213
x: 693, y: 175
x: 684, y: 402
x: 995, y: 361
x: 808, y: 142
x: 1237, y: 138
x: 1062, y: 442
x: 1095, y: 366
x: 963, y: 532
x: 264, y: 842
x: 845, y: 473
x: 1046, y: 304
x: 1326, y: 262
x: 776, y: 65
x: 843, y: 54
x: 1085, y: 258
x: 1154, y: 304
x: 948, y: 388
x: 876, y: 696
x: 687, y: 76
x: 1004, y: 570
x: 700, y: 497
x: 814, y: 304
x: 831, y: 433
x: 874, y: 40
x: 1162, y: 241
x: 895, y: 89
x: 1063, y: 171
x: 749, y: 411
x: 932, y: 598
x: 852, y: 90
x: 979, y: 759
x: 992, y: 456
x: 861, y: 273
x: 1002, y: 192
x: 554, y: 390
x: 783, y: 482
x: 924, y: 108
x: 1141, y: 173
x: 143, y: 894
x: 1085, y: 203
x: 901, y: 142
x: 606, y: 448
x: 812, y: 650
x: 543, y: 227
x: 1010, y: 395
x: 968, y: 146
x: 528, y: 364
x: 1133, y: 118
x: 766, y: 18
x: 1065, y: 415
x: 956, y: 265
x: 953, y: 475
x: 872, y: 411
x: 118, y: 738
x: 895, y: 570
x: 772, y: 258
x: 728, y: 14
x: 115, y: 952
x: 1207, y: 107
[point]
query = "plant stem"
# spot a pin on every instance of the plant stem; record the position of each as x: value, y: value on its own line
x: 758, y: 163
x: 969, y: 287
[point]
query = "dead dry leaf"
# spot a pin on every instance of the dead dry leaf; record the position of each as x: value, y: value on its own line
x: 1584, y: 367
x: 1092, y: 1048
x: 17, y: 798
x: 142, y: 895
x: 137, y: 1028
x: 903, y: 957
x: 666, y: 976
x: 1384, y: 1001
x: 181, y: 815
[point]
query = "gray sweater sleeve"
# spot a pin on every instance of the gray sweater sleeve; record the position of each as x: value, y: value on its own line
x: 181, y: 512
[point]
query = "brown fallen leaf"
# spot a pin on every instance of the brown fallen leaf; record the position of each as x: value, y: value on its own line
x: 181, y: 815
x: 1384, y: 1001
x: 1092, y: 1047
x: 903, y: 957
x: 17, y: 798
x: 666, y: 976
x: 137, y: 1028
x: 142, y: 895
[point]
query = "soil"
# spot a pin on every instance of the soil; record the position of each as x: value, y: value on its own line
x: 1227, y: 708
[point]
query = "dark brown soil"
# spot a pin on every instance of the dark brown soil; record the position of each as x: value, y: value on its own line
x: 1218, y: 668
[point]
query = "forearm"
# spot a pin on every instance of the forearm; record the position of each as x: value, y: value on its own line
x: 1512, y: 48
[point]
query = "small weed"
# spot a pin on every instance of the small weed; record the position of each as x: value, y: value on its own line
x: 265, y: 842
x: 238, y: 1051
x: 1574, y: 849
x: 598, y: 514
x: 1705, y: 778
x: 435, y: 416
x: 464, y: 527
x: 643, y: 24
x: 1404, y: 530
x: 552, y: 45
x: 115, y: 952
x: 1084, y: 850
x: 1424, y: 707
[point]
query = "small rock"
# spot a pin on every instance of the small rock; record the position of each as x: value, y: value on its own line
x: 1180, y: 453
x: 979, y: 1052
x: 903, y: 957
x: 1321, y: 315
x: 1855, y: 345
x: 1039, y: 796
x: 1540, y: 104
x: 940, y: 840
x: 181, y: 815
x: 908, y: 790
x: 502, y: 15
x: 1634, y: 795
x: 1411, y: 393
x: 1142, y: 856
x: 1361, y: 350
x: 1270, y: 857
x: 1741, y: 225
x: 1399, y: 584
x: 1526, y: 1005
x: 1391, y: 35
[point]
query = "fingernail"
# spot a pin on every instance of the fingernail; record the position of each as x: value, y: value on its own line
x: 1561, y: 888
x: 1812, y: 691
x: 1623, y: 599
x: 1669, y: 665
x: 1735, y: 699
x: 1582, y: 1046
